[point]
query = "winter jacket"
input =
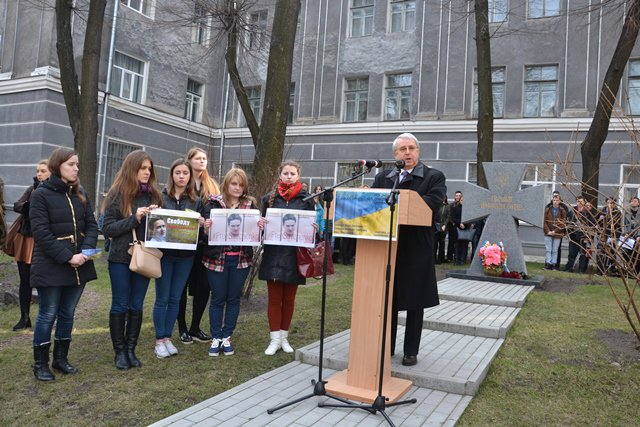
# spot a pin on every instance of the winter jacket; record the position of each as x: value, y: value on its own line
x: 21, y: 206
x: 62, y: 227
x: 119, y: 227
x: 281, y: 262
x: 557, y: 225
x: 182, y: 204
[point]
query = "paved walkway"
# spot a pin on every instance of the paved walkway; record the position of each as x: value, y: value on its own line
x: 460, y: 338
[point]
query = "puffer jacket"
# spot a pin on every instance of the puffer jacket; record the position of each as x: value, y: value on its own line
x: 182, y: 204
x: 281, y: 262
x: 119, y: 227
x: 62, y: 226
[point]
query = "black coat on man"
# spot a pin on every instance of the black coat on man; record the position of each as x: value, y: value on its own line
x: 415, y: 284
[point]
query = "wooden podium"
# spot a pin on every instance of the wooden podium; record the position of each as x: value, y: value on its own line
x: 360, y: 381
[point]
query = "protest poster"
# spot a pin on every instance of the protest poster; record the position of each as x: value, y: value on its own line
x: 234, y: 227
x: 290, y: 227
x: 172, y: 229
x: 363, y: 214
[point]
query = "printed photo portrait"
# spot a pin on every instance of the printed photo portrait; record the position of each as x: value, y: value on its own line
x: 290, y: 227
x: 172, y: 229
x: 233, y: 227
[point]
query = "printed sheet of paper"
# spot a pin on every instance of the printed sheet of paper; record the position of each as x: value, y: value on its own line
x: 234, y: 227
x: 172, y: 229
x: 290, y: 227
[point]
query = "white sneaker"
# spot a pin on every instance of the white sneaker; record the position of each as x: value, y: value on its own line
x: 214, y: 350
x: 161, y: 351
x: 170, y: 347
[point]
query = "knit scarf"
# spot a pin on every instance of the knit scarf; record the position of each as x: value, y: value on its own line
x: 144, y: 188
x: 289, y: 191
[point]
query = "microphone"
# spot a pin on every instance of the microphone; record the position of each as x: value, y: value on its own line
x: 399, y: 164
x: 369, y: 163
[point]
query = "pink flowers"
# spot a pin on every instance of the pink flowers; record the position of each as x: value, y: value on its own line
x: 492, y: 254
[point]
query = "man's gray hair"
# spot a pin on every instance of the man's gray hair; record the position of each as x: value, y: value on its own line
x: 405, y: 135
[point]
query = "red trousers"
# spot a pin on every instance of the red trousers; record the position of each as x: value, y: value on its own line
x: 282, y: 298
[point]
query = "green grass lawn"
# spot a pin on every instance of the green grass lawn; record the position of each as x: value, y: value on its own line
x: 551, y: 370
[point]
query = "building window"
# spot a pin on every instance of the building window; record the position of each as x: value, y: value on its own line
x: 345, y: 170
x: 292, y: 102
x: 116, y: 152
x: 193, y: 104
x: 356, y: 99
x: 634, y: 87
x: 253, y: 96
x: 361, y: 15
x: 498, y: 10
x: 246, y: 167
x: 141, y: 6
x: 497, y: 89
x: 538, y: 174
x: 540, y: 91
x: 403, y: 15
x: 397, y: 97
x: 200, y: 33
x: 630, y: 182
x: 258, y: 30
x: 543, y: 8
x: 472, y: 172
x: 127, y: 77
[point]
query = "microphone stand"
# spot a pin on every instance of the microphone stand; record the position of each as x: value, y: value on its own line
x: 319, y: 384
x: 380, y: 403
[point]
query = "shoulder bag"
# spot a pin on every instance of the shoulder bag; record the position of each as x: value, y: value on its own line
x: 144, y: 261
x: 13, y: 235
x: 311, y: 260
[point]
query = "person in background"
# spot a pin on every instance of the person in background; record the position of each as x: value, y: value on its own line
x: 567, y: 210
x: 197, y: 284
x: 415, y: 284
x: 631, y: 230
x: 443, y: 216
x: 133, y: 194
x: 279, y: 265
x: 575, y: 229
x: 318, y: 204
x: 227, y: 266
x: 305, y: 187
x: 610, y: 225
x: 63, y: 225
x: 555, y: 220
x: 3, y: 222
x: 179, y: 195
x: 462, y: 244
x: 24, y: 252
x: 456, y: 215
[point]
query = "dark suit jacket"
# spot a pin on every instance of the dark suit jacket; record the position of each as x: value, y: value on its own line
x: 415, y: 284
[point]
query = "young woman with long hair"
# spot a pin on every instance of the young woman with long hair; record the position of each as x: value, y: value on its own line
x: 62, y: 224
x: 24, y: 252
x: 227, y: 266
x: 132, y: 196
x: 279, y: 265
x: 197, y: 284
x: 176, y: 264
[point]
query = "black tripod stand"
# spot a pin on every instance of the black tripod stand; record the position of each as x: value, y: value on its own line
x: 380, y: 403
x: 319, y: 384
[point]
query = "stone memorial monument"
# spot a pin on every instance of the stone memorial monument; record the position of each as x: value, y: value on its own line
x: 503, y: 204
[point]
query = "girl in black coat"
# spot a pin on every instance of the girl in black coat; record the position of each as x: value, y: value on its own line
x: 279, y: 265
x: 63, y: 226
x: 24, y: 252
x: 131, y: 197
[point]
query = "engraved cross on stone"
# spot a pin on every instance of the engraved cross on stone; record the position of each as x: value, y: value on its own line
x: 503, y: 203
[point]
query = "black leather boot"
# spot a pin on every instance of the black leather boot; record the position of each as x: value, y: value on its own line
x: 133, y: 332
x: 116, y: 328
x: 23, y: 323
x: 41, y: 362
x: 60, y: 354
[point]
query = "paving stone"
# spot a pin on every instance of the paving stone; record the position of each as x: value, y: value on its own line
x: 481, y: 292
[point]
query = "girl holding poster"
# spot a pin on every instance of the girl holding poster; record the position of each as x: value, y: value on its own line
x: 176, y: 264
x: 279, y: 265
x: 198, y: 287
x: 132, y: 196
x: 227, y: 266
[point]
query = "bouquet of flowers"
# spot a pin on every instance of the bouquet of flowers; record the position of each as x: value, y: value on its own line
x: 494, y: 258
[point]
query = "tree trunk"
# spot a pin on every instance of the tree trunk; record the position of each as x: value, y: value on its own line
x: 82, y: 106
x: 273, y: 126
x: 591, y: 146
x: 484, y: 151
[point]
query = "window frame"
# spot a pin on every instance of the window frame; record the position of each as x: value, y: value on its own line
x: 403, y: 16
x: 626, y: 188
x: 146, y: 7
x: 367, y: 8
x: 633, y: 63
x: 252, y: 101
x: 201, y: 26
x: 494, y: 11
x: 111, y: 142
x: 543, y: 13
x: 357, y: 101
x: 387, y: 88
x: 143, y: 78
x: 494, y: 85
x: 344, y: 170
x: 257, y: 30
x: 538, y: 177
x: 292, y: 103
x: 194, y: 100
x: 540, y: 92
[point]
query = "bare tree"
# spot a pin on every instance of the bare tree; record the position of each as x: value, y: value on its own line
x: 81, y: 102
x: 591, y: 146
x: 484, y: 149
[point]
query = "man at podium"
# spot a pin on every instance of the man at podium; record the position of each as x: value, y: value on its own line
x: 415, y: 285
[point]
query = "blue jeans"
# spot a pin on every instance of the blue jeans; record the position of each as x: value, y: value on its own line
x: 551, y: 245
x: 226, y: 288
x: 128, y: 289
x: 169, y: 287
x: 57, y: 304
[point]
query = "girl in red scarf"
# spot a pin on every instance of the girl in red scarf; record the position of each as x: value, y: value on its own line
x: 279, y: 265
